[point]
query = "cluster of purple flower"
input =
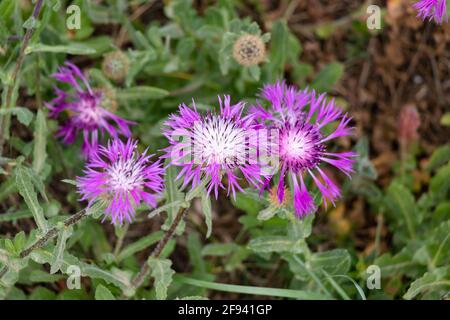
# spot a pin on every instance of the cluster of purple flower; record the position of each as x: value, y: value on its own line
x: 213, y: 147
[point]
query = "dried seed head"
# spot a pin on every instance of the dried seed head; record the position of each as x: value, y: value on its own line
x: 249, y: 50
x: 116, y: 65
x: 274, y: 200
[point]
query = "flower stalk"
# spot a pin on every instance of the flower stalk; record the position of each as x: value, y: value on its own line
x: 145, y: 269
x: 51, y: 233
x: 5, y: 119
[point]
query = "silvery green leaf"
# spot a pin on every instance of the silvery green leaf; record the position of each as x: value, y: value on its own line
x: 142, y: 93
x: 172, y: 193
x: 436, y: 280
x: 23, y: 114
x: 219, y: 249
x: 139, y: 245
x: 166, y: 207
x: 40, y: 142
x: 96, y: 210
x: 73, y: 48
x: 69, y: 181
x: 162, y: 273
x: 267, y: 213
x: 268, y: 244
x: 206, y: 208
x: 26, y: 190
x: 58, y: 253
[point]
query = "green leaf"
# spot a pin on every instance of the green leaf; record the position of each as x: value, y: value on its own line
x: 399, y: 264
x: 328, y: 77
x: 267, y: 244
x: 206, y: 208
x: 58, y: 253
x: 40, y: 142
x: 139, y: 245
x: 440, y: 183
x: 114, y: 277
x: 172, y: 193
x: 278, y: 51
x: 402, y: 205
x: 44, y: 276
x: 334, y: 262
x: 23, y: 114
x: 259, y: 291
x: 73, y: 48
x: 438, y: 244
x: 440, y: 156
x: 42, y: 293
x: 219, y: 249
x: 249, y: 202
x: 162, y: 273
x: 267, y: 213
x: 103, y: 293
x: 142, y: 93
x: 177, y: 204
x: 19, y: 241
x: 26, y: 190
x: 437, y: 280
x: 13, y: 216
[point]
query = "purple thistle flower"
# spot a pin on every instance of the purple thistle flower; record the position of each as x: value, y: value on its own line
x: 301, y: 142
x: 213, y: 146
x: 123, y: 178
x: 85, y: 114
x: 432, y: 9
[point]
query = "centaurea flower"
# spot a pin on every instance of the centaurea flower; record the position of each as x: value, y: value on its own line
x: 120, y: 176
x: 299, y: 118
x: 213, y: 146
x: 85, y: 114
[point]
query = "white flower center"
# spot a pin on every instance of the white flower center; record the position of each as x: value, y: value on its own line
x: 125, y: 175
x: 295, y: 144
x: 218, y: 141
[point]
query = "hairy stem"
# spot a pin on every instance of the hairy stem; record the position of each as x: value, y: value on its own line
x: 145, y: 269
x: 53, y: 232
x: 4, y: 119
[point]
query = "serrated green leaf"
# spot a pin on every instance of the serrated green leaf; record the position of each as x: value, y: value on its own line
x: 26, y: 190
x: 58, y: 253
x: 436, y: 280
x: 162, y: 273
x: 402, y: 207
